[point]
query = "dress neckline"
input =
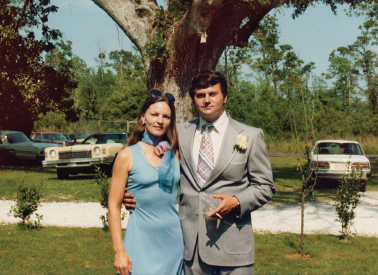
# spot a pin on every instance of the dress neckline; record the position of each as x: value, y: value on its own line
x: 145, y: 158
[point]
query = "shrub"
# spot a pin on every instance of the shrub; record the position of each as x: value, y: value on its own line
x: 27, y: 203
x: 347, y: 199
x: 104, y: 184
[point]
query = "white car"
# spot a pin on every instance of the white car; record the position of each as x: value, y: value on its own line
x: 335, y: 160
x: 96, y: 150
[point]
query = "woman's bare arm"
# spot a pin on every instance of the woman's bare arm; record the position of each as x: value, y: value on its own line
x: 121, y: 169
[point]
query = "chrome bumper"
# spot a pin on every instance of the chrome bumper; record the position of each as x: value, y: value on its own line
x: 68, y: 163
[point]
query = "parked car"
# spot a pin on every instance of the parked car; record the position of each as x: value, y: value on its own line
x: 17, y: 145
x: 96, y: 150
x: 50, y: 137
x: 335, y: 160
x: 80, y: 137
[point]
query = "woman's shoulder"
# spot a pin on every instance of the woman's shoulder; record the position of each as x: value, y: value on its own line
x: 125, y: 153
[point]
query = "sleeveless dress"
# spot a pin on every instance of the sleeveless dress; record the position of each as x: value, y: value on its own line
x: 153, y: 238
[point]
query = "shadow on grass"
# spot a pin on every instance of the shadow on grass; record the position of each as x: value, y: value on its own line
x: 82, y: 177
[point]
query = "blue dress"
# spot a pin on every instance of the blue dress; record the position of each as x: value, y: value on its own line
x: 153, y: 238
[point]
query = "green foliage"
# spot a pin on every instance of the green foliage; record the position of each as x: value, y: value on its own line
x: 114, y: 93
x: 28, y: 84
x: 157, y: 49
x: 27, y: 203
x: 164, y: 19
x: 52, y: 122
x: 282, y: 97
x: 104, y: 184
x: 347, y: 199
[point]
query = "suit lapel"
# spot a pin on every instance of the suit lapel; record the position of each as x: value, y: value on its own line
x: 186, y: 145
x: 227, y: 152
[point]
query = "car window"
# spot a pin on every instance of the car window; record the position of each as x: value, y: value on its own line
x: 17, y: 138
x: 81, y: 135
x: 37, y: 136
x: 91, y: 139
x: 113, y: 138
x: 334, y: 148
x: 122, y: 139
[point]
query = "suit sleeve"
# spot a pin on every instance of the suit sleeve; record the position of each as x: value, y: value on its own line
x: 259, y: 175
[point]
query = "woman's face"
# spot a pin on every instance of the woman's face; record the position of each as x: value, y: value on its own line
x: 157, y: 118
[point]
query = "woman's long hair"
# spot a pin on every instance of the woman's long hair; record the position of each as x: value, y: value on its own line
x: 171, y: 135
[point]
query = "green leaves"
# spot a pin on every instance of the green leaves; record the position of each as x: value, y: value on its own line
x: 347, y: 199
x: 27, y: 203
x: 28, y: 86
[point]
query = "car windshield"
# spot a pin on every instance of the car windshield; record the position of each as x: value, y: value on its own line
x: 58, y: 137
x: 17, y: 138
x: 81, y: 135
x: 106, y: 138
x: 336, y: 148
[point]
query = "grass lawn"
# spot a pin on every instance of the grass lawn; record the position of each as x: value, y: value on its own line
x: 79, y: 188
x: 287, y: 180
x: 78, y: 250
x: 83, y: 187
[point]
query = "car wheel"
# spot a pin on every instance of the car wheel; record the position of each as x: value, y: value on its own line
x: 62, y: 173
x: 363, y: 186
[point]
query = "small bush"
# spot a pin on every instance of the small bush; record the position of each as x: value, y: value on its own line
x: 27, y: 203
x: 104, y: 184
x: 347, y: 199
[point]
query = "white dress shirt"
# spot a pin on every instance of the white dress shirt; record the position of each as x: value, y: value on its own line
x: 216, y: 134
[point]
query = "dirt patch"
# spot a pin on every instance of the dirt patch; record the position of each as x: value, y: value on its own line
x: 298, y: 256
x: 57, y: 198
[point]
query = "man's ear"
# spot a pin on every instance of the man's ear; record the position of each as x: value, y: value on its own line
x: 225, y: 100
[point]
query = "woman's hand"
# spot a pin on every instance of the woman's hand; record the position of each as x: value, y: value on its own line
x: 122, y: 263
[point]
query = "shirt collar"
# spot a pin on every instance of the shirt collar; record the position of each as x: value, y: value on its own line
x: 219, y: 124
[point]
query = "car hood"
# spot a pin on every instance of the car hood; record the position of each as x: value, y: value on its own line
x: 42, y: 145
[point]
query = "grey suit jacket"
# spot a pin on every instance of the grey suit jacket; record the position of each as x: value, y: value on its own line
x: 245, y: 174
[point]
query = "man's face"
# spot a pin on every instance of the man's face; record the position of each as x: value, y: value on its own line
x: 209, y: 102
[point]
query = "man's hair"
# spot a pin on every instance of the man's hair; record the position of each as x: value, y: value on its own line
x: 207, y: 78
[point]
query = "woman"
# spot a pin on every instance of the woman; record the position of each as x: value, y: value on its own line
x: 153, y: 242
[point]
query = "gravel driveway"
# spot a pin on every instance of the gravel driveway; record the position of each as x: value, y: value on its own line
x: 274, y: 218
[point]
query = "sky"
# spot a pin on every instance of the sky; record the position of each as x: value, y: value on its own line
x: 313, y: 35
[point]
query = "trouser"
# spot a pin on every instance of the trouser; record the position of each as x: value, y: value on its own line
x: 197, y: 266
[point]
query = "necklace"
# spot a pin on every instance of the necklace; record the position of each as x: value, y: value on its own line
x: 145, y: 156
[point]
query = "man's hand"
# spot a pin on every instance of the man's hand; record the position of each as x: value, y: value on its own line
x: 228, y: 205
x: 128, y: 201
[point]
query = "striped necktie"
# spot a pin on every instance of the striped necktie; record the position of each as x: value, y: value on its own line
x: 206, y: 154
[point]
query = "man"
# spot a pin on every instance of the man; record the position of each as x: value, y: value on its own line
x: 225, y: 175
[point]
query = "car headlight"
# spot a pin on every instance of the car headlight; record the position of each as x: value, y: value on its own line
x: 52, y: 154
x: 97, y: 151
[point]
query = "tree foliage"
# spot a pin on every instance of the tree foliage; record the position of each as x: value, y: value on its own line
x: 28, y: 86
x: 189, y: 36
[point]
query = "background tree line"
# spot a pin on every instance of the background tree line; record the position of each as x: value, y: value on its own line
x: 270, y: 86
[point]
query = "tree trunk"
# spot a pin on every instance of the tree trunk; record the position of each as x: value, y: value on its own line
x: 222, y: 23
x: 302, y: 222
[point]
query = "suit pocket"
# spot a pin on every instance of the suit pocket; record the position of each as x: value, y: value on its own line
x: 238, y: 239
x: 235, y: 171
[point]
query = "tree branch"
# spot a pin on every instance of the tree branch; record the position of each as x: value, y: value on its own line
x: 135, y: 18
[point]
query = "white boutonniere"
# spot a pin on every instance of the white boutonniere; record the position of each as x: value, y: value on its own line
x: 241, y: 143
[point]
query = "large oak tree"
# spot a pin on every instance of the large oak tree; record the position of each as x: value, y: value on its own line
x: 169, y: 40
